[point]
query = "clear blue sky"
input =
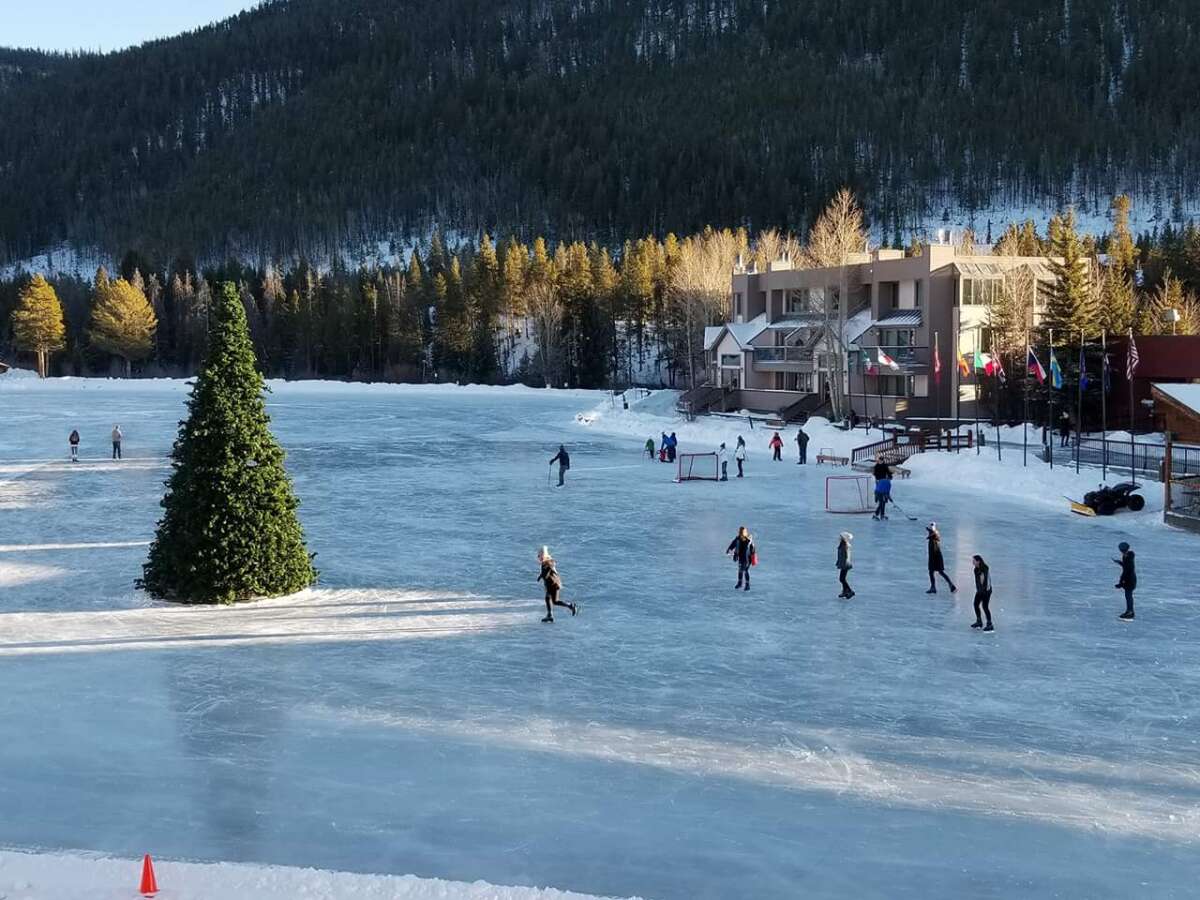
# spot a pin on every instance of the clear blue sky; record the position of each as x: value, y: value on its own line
x: 105, y: 24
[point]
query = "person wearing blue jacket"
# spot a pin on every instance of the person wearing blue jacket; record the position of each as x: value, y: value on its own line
x: 883, y: 494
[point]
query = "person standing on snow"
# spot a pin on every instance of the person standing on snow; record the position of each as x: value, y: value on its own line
x: 802, y: 445
x: 564, y: 462
x: 1064, y: 430
x: 776, y: 445
x: 742, y: 548
x: 723, y: 459
x: 845, y: 563
x: 117, y: 437
x: 739, y: 455
x: 672, y: 447
x: 553, y: 582
x: 983, y: 593
x: 937, y: 565
x: 73, y: 440
x: 1128, y: 580
x: 883, y: 495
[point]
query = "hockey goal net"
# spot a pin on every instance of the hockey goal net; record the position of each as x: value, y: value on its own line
x: 698, y: 467
x: 848, y: 494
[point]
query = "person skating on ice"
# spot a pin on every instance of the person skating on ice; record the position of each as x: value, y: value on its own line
x: 742, y: 549
x: 881, y: 469
x: 739, y: 455
x: 776, y: 445
x: 564, y: 462
x: 650, y: 448
x: 802, y: 446
x: 723, y: 459
x: 549, y: 575
x: 883, y: 495
x: 73, y: 440
x: 937, y: 565
x: 117, y: 437
x: 845, y: 563
x: 672, y: 447
x: 1128, y: 580
x: 983, y: 593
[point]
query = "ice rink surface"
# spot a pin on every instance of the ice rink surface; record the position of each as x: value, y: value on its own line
x: 677, y: 740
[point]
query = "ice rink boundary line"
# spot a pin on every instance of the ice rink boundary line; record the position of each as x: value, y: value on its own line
x: 102, y: 545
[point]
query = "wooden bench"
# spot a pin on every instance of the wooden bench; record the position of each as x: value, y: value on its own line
x: 869, y: 466
x: 826, y: 456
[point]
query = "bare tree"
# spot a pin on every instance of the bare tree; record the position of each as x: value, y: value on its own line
x: 546, y: 309
x: 699, y: 287
x: 772, y: 245
x: 837, y: 235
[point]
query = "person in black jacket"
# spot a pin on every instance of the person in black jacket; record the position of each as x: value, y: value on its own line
x: 802, y: 445
x: 937, y: 565
x: 983, y: 593
x: 564, y: 462
x: 881, y: 470
x: 1128, y: 579
x: 549, y: 575
x: 742, y: 548
x: 845, y: 563
x: 73, y: 440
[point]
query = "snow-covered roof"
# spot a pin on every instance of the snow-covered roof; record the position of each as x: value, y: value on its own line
x: 900, y: 318
x: 712, y: 334
x: 801, y: 320
x: 1184, y: 394
x: 745, y: 332
x: 857, y: 325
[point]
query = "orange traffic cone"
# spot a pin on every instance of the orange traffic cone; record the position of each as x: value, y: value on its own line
x: 149, y: 885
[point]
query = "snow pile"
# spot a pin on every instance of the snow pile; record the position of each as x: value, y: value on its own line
x: 27, y: 876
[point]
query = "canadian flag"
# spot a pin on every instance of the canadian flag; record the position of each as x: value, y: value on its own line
x: 885, y: 360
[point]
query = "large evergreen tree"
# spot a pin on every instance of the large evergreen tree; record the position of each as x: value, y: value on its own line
x: 230, y: 531
x: 1071, y: 305
x: 37, y: 322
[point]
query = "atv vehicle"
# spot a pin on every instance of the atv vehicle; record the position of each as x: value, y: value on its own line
x: 1105, y: 501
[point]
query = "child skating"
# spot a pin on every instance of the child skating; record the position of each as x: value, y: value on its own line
x: 937, y: 565
x: 845, y: 563
x: 742, y: 549
x: 776, y: 445
x: 553, y: 582
x: 983, y: 593
x: 73, y: 440
x: 1128, y: 579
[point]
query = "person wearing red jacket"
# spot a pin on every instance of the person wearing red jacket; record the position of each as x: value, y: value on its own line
x: 776, y: 446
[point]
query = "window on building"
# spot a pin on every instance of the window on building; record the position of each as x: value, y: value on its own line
x: 731, y: 361
x: 980, y: 291
x: 918, y: 293
x: 797, y: 301
x: 737, y: 304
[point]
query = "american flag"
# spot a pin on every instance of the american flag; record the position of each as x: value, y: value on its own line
x: 1131, y: 359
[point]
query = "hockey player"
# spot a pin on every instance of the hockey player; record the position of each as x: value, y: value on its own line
x: 742, y: 548
x: 1128, y: 580
x: 983, y: 593
x: 883, y: 495
x: 553, y: 582
x: 73, y: 440
x: 881, y: 470
x: 937, y: 565
x: 845, y: 563
x: 739, y: 455
x: 564, y: 463
x: 802, y: 446
x: 776, y: 445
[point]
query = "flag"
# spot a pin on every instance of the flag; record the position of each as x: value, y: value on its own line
x: 963, y: 369
x: 1131, y: 359
x: 1083, y: 376
x: 1035, y: 367
x: 885, y: 360
x: 983, y: 362
x: 1056, y: 376
x: 995, y: 367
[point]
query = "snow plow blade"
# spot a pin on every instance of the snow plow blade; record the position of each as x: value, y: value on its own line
x: 1080, y: 508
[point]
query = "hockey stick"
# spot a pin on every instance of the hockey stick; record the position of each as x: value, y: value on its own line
x: 899, y: 507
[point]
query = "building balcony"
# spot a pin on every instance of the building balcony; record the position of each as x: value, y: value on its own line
x: 780, y: 359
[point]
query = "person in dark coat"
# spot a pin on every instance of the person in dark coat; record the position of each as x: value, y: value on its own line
x: 73, y: 440
x: 845, y: 563
x: 937, y: 565
x: 549, y: 575
x: 1064, y: 430
x: 564, y: 463
x: 742, y: 549
x: 776, y: 445
x: 802, y: 446
x: 983, y: 593
x: 853, y: 420
x: 881, y: 469
x: 672, y: 447
x: 1128, y: 580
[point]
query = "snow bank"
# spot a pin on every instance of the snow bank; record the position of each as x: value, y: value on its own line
x: 29, y: 876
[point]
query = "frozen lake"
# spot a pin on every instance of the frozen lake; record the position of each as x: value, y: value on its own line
x: 677, y: 740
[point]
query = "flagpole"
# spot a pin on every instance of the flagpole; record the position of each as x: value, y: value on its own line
x: 957, y: 379
x: 1079, y: 414
x: 1050, y: 403
x: 996, y: 404
x: 937, y: 386
x: 1025, y: 415
x: 1129, y: 373
x: 1104, y: 378
x: 975, y: 366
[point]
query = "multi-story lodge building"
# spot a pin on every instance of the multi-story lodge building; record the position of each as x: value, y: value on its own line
x: 774, y: 354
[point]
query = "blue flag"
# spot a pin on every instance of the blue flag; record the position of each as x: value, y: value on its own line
x: 1056, y: 378
x: 1083, y: 378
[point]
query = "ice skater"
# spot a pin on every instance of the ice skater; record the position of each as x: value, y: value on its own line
x: 983, y: 593
x: 553, y: 582
x: 723, y: 459
x: 845, y: 563
x: 564, y: 463
x: 1064, y: 430
x: 672, y: 447
x: 664, y: 447
x: 883, y: 496
x: 937, y: 565
x: 881, y: 469
x: 776, y: 445
x: 649, y: 451
x: 739, y: 455
x: 742, y: 548
x: 1128, y: 580
x: 73, y: 440
x: 802, y: 446
x: 117, y: 437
